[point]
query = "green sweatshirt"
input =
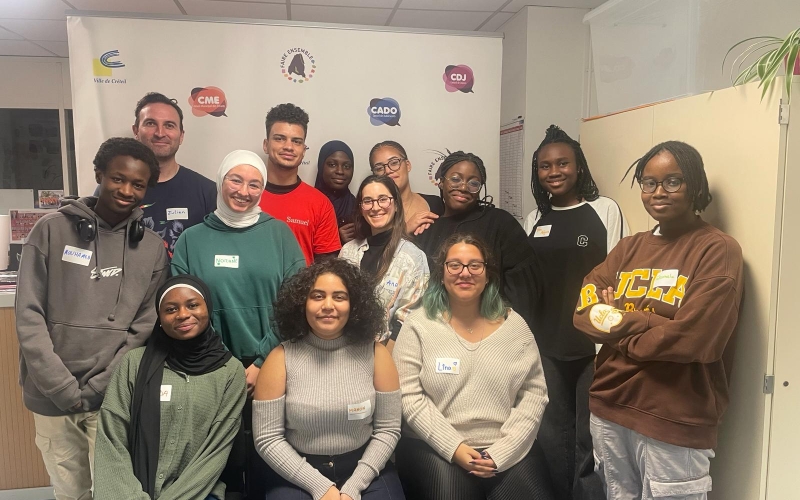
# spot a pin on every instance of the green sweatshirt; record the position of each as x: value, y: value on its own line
x: 244, y: 268
x: 200, y: 416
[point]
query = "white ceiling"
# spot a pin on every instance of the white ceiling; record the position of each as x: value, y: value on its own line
x: 39, y: 28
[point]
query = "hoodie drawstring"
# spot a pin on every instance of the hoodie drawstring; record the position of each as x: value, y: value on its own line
x: 122, y: 278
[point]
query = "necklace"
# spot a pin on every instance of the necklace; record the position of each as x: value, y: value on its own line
x: 461, y: 340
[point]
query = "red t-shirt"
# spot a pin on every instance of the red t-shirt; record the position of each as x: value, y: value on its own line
x: 309, y: 215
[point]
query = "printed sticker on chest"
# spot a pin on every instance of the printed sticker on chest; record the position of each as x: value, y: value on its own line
x: 76, y: 255
x: 359, y: 411
x: 542, y: 231
x: 666, y: 277
x: 451, y: 366
x: 166, y: 393
x: 177, y: 213
x: 231, y: 261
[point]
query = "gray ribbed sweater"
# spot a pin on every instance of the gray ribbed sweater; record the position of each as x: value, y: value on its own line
x: 495, y: 401
x: 330, y: 407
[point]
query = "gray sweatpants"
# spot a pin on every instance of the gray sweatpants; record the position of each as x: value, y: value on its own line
x: 636, y: 467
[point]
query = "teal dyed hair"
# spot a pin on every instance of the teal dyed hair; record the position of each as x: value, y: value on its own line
x: 435, y: 300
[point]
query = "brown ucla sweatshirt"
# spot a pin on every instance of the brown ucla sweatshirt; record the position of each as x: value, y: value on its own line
x: 664, y: 365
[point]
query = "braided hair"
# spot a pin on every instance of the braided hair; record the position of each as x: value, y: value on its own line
x: 691, y: 164
x: 585, y: 187
x: 451, y: 160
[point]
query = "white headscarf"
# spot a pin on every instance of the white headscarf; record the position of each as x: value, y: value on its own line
x: 223, y: 211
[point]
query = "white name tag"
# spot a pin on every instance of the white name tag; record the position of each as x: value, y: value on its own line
x: 76, y: 255
x: 448, y: 365
x: 542, y: 231
x: 226, y: 261
x: 166, y: 392
x: 359, y: 411
x: 177, y: 213
x: 667, y: 277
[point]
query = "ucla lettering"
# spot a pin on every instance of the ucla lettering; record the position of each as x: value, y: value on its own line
x: 643, y: 283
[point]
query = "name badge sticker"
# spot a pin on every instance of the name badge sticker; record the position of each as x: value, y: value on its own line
x: 76, y: 255
x: 359, y: 411
x: 448, y: 365
x: 231, y: 261
x: 542, y: 231
x: 166, y: 393
x: 177, y: 213
x: 667, y: 277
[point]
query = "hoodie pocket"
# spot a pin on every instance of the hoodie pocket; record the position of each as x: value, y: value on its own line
x: 86, y: 351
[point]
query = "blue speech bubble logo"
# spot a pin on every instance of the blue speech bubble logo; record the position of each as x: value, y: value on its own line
x: 385, y: 111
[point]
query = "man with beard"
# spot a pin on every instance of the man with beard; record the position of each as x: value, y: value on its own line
x: 182, y: 197
x: 308, y: 212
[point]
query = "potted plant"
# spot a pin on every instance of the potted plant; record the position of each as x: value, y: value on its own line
x: 782, y: 51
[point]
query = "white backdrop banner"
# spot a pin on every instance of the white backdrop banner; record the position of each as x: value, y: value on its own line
x: 429, y: 92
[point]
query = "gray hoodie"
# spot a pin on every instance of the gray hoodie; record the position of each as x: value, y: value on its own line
x: 82, y: 305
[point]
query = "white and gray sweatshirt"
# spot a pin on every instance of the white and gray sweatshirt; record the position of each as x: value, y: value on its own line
x: 489, y: 394
x: 330, y: 407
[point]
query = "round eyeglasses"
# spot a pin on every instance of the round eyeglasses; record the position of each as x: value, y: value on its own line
x: 391, y: 165
x: 670, y: 185
x: 456, y: 267
x: 456, y: 181
x: 383, y: 202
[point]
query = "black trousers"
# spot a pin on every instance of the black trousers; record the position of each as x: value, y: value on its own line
x: 564, y: 434
x: 427, y: 476
x: 246, y: 472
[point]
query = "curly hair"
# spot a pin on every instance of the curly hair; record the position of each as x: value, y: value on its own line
x: 287, y: 113
x: 586, y: 189
x: 435, y: 300
x: 367, y: 316
x: 125, y: 146
x: 691, y: 164
x: 155, y: 97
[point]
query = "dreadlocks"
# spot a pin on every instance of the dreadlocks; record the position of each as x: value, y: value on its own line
x: 691, y: 164
x: 585, y: 188
x: 452, y: 159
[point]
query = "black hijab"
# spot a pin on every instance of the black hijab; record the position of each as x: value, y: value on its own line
x: 202, y: 354
x: 344, y: 203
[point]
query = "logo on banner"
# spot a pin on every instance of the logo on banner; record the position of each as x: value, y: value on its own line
x: 433, y: 167
x: 458, y: 78
x: 384, y: 111
x: 208, y: 101
x: 298, y: 65
x: 103, y: 67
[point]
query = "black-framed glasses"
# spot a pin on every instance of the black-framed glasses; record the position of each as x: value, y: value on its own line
x: 383, y: 202
x: 455, y: 267
x: 456, y: 181
x: 392, y: 164
x: 670, y: 185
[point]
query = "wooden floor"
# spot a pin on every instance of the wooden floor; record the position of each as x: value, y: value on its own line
x: 20, y: 462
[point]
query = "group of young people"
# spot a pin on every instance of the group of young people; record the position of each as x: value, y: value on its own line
x: 263, y: 338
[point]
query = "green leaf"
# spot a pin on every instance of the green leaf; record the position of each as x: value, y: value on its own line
x: 737, y: 63
x: 762, y: 38
x: 790, y: 61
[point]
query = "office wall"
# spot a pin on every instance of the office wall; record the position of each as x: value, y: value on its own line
x: 738, y: 136
x: 544, y: 76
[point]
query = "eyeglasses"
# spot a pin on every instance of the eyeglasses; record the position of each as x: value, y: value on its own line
x: 456, y: 267
x: 456, y: 181
x: 670, y: 185
x: 392, y: 165
x: 383, y: 202
x: 238, y: 183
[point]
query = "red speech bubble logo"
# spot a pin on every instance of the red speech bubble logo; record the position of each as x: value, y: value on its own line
x: 208, y: 101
